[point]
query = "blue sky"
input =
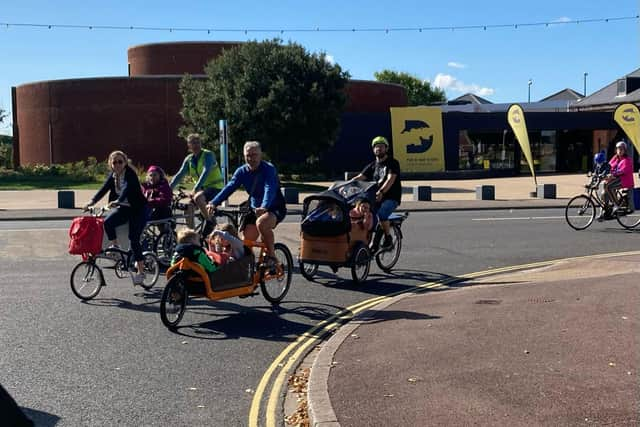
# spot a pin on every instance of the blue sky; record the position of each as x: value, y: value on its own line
x: 495, y: 64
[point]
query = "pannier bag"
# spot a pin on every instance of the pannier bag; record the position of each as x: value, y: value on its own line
x: 85, y: 235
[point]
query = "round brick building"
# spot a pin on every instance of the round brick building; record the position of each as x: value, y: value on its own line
x: 62, y: 121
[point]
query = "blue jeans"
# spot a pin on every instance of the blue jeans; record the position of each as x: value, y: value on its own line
x: 137, y: 220
x: 386, y: 208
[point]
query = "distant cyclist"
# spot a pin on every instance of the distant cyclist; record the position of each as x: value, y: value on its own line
x: 201, y: 165
x: 621, y: 177
x: 385, y: 171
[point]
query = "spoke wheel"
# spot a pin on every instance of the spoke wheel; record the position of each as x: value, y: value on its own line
x: 361, y: 264
x: 387, y: 258
x: 86, y: 280
x: 580, y: 212
x: 173, y: 303
x: 307, y: 270
x: 164, y: 246
x: 275, y: 287
x: 628, y: 220
x: 151, y: 270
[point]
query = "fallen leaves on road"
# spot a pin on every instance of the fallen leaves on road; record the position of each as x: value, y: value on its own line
x: 298, y: 384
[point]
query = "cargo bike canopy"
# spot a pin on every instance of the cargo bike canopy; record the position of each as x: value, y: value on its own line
x: 327, y: 213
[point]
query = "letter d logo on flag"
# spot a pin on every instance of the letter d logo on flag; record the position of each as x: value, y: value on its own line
x: 515, y: 117
x: 627, y: 117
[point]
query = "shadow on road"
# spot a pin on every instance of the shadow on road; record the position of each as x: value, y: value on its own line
x: 41, y: 419
x: 234, y: 321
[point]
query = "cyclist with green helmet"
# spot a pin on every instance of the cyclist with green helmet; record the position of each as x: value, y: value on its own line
x: 201, y: 165
x: 385, y: 171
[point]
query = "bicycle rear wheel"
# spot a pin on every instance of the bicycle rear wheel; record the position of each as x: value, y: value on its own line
x: 173, y: 303
x: 275, y: 287
x: 628, y: 220
x: 580, y: 212
x: 86, y: 280
x: 164, y: 246
x: 387, y: 258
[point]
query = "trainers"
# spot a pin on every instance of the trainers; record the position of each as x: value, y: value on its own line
x: 113, y: 255
x: 138, y: 279
x: 270, y: 264
x: 387, y: 242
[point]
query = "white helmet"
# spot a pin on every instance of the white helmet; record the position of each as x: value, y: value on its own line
x: 621, y: 144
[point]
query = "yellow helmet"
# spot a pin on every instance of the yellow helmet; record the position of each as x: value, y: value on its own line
x: 379, y: 140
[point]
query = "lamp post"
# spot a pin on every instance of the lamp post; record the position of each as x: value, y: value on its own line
x: 529, y: 91
x: 585, y: 83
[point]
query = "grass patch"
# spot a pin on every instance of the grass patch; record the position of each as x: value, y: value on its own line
x: 47, y: 183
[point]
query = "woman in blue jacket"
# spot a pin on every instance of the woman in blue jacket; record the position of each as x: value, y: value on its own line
x: 128, y: 205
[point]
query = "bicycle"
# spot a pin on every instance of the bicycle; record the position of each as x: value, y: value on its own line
x: 185, y: 214
x: 236, y: 278
x: 159, y: 237
x: 336, y: 244
x: 581, y: 209
x: 87, y: 277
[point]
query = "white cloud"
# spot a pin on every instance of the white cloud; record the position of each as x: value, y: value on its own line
x: 563, y: 19
x: 450, y: 83
x: 453, y: 64
x: 330, y: 59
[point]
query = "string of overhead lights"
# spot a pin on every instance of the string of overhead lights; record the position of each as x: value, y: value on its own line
x: 7, y: 25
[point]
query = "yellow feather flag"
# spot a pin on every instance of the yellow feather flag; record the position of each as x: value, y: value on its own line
x: 628, y: 117
x: 515, y: 117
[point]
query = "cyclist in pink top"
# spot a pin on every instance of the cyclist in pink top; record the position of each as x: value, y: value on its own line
x: 621, y: 176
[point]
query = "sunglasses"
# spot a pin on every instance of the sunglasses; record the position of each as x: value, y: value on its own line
x: 118, y: 162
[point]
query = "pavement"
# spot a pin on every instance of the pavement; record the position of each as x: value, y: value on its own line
x: 547, y: 344
x: 550, y: 345
x: 510, y: 193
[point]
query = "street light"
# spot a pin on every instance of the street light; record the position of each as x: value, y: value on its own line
x: 529, y: 92
x: 585, y: 83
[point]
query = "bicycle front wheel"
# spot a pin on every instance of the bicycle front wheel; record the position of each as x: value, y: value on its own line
x: 275, y: 287
x: 387, y: 258
x: 151, y: 270
x: 580, y: 212
x: 173, y: 303
x: 86, y: 280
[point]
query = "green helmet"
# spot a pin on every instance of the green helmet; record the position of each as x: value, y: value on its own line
x: 379, y: 140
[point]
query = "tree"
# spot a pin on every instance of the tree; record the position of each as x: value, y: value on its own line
x: 3, y: 115
x: 281, y: 95
x: 419, y: 91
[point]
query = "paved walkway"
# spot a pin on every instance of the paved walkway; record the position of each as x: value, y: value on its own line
x: 549, y: 346
x: 510, y: 193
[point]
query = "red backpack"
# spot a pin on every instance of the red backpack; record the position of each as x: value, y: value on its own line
x: 85, y: 236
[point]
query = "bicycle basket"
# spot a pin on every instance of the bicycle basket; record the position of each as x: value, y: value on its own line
x: 85, y: 235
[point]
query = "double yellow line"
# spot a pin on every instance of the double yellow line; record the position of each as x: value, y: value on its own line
x: 286, y: 360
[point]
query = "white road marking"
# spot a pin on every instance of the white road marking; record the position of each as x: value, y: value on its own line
x: 523, y: 218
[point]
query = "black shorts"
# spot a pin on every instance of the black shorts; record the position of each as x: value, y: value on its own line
x: 250, y: 217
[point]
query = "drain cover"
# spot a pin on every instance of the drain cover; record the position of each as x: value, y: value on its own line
x: 540, y: 300
x: 488, y: 301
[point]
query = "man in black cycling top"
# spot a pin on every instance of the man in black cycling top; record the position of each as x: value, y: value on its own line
x: 385, y: 171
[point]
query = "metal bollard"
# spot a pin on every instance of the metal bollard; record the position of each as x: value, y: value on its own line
x: 485, y: 192
x: 422, y: 193
x: 66, y: 200
x: 546, y: 191
x: 290, y: 195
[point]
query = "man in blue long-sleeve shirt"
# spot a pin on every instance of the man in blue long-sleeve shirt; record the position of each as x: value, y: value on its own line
x: 260, y: 180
